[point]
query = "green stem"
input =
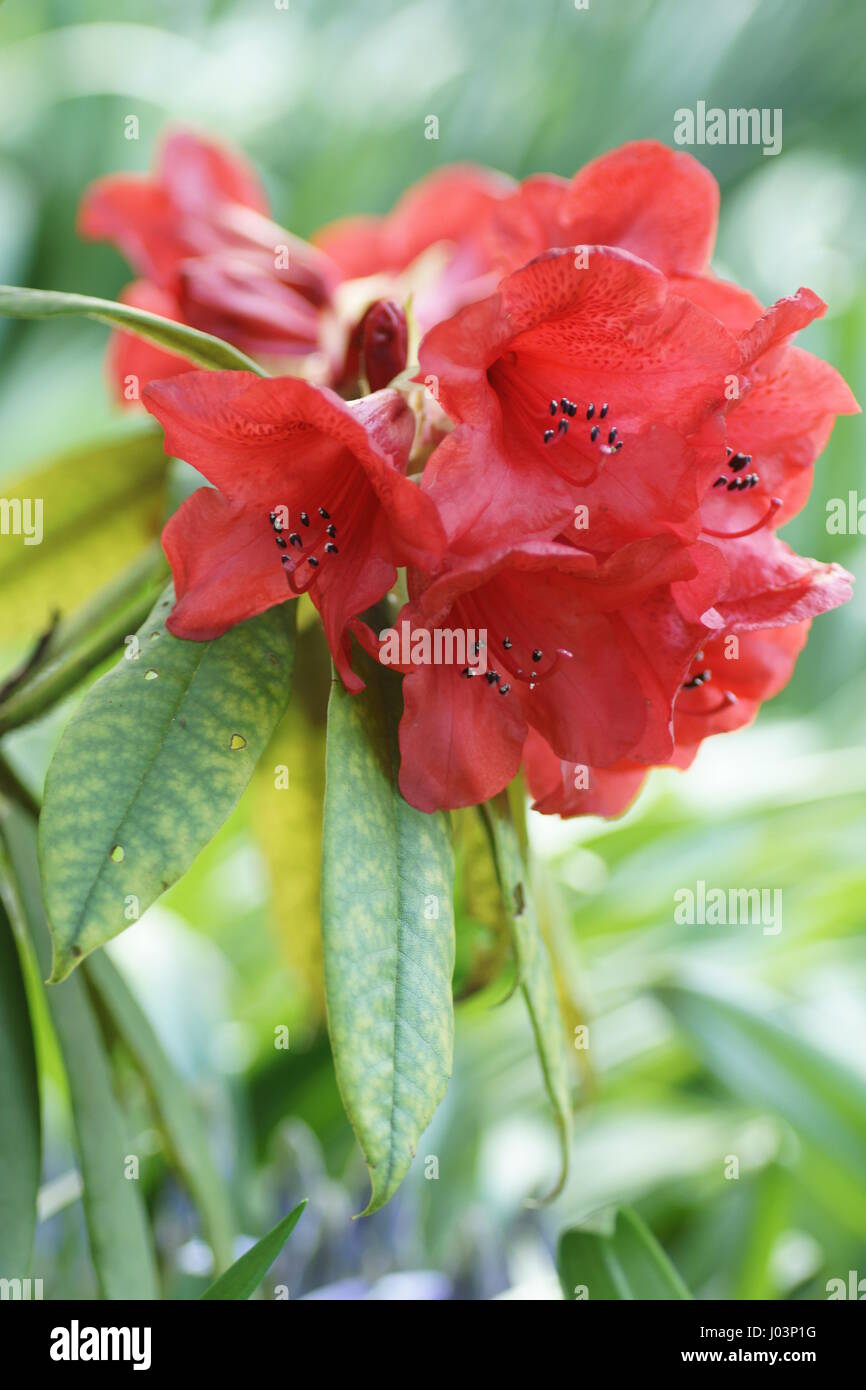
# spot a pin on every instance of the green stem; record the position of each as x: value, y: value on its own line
x: 12, y: 787
x: 87, y: 637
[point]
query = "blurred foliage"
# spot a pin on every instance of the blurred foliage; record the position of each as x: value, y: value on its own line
x: 704, y: 1043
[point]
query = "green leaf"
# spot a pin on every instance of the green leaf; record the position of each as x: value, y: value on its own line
x: 247, y: 1273
x: 202, y: 348
x: 114, y: 1211
x: 148, y: 768
x: 386, y: 868
x: 287, y: 821
x: 100, y: 505
x: 482, y: 928
x: 20, y: 1131
x: 534, y: 971
x: 73, y: 648
x: 185, y: 1131
x: 627, y: 1264
x: 763, y: 1060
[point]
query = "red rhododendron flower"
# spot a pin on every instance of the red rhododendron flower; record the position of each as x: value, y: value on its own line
x: 309, y: 496
x: 662, y: 206
x: 592, y: 655
x: 553, y: 374
x: 747, y: 660
x: 550, y: 376
x: 616, y: 435
x: 197, y: 230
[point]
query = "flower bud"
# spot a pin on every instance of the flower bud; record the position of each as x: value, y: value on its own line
x: 378, y: 345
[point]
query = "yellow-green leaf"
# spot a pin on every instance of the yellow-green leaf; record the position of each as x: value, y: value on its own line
x: 97, y: 507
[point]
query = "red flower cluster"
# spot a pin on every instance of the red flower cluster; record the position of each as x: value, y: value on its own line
x: 610, y: 434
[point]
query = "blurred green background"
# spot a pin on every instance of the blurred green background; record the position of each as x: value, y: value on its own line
x: 704, y: 1042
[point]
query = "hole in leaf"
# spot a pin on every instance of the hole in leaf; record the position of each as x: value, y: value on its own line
x: 237, y: 741
x: 151, y: 675
x: 118, y: 854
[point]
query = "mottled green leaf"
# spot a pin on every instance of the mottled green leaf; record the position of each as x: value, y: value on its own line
x: 148, y: 768
x: 117, y: 1228
x: 629, y: 1263
x: 20, y: 1133
x: 245, y: 1275
x: 202, y: 348
x: 184, y: 1129
x: 534, y: 971
x: 388, y: 934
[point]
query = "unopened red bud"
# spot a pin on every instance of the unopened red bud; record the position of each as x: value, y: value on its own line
x: 384, y: 343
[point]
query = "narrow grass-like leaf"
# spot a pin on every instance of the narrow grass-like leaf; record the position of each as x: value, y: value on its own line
x: 185, y: 1131
x: 117, y: 1228
x: 20, y: 1132
x: 202, y: 348
x: 388, y: 934
x: 149, y: 767
x: 763, y: 1060
x: 245, y: 1275
x: 533, y: 970
x: 627, y: 1264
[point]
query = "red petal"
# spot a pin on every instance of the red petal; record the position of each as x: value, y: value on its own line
x: 763, y: 665
x: 784, y: 421
x: 224, y: 566
x: 771, y: 586
x: 648, y: 199
x: 447, y: 205
x: 783, y: 318
x: 343, y: 591
x: 198, y: 174
x: 258, y: 440
x: 551, y: 781
x: 610, y: 324
x: 485, y: 496
x: 237, y: 296
x: 460, y: 742
x: 528, y: 222
x: 737, y: 308
x: 136, y: 216
x: 158, y: 220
